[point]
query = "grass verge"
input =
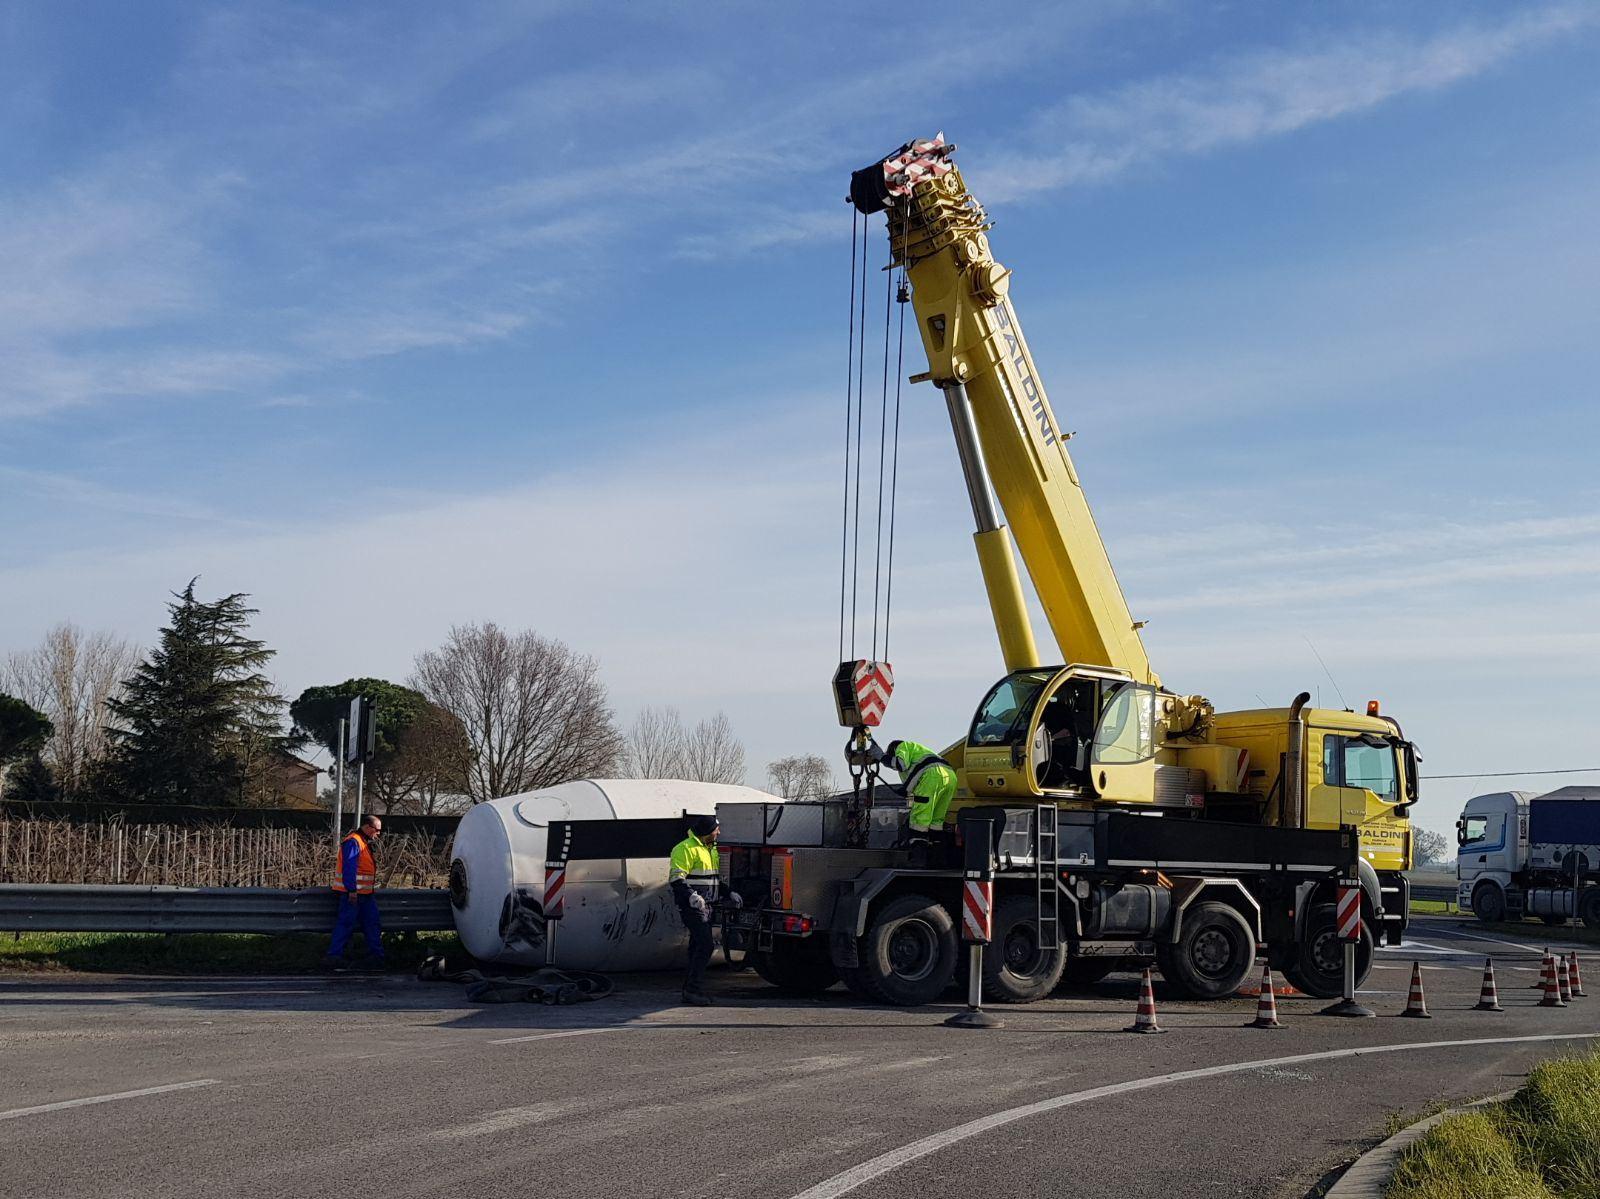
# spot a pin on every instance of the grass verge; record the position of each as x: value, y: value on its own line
x: 1537, y: 930
x: 1543, y: 1143
x: 200, y: 953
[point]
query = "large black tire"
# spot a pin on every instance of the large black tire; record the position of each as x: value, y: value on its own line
x: 1589, y: 907
x: 1488, y: 903
x: 1212, y: 955
x: 798, y: 967
x: 1318, y: 969
x: 1015, y: 968
x: 908, y: 956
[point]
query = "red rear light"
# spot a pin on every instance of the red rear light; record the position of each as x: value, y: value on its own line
x: 797, y: 924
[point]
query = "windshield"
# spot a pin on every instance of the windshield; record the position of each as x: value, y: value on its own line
x: 1126, y: 732
x: 1002, y: 718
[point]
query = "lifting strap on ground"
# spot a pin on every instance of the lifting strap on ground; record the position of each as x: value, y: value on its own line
x: 546, y: 985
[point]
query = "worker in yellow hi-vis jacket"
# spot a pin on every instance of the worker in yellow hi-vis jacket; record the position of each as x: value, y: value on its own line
x: 696, y: 879
x: 930, y: 783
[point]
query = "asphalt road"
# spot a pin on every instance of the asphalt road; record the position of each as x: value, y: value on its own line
x: 387, y: 1087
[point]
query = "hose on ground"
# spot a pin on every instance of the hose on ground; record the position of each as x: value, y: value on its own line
x: 546, y: 985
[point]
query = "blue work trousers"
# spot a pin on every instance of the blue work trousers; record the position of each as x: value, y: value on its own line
x: 365, y: 909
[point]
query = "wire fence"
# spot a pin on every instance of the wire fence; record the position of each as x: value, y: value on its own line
x: 40, y: 852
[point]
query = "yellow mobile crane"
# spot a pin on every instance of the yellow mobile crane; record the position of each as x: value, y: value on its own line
x: 1101, y: 730
x: 1034, y: 733
x: 1258, y: 812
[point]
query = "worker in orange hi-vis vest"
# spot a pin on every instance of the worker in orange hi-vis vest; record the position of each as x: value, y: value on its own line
x: 355, y: 883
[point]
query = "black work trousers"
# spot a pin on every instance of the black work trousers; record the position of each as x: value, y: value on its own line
x: 694, y: 979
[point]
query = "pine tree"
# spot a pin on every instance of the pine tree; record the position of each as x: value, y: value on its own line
x: 197, y: 722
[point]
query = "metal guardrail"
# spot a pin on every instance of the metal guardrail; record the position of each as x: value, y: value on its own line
x: 123, y: 909
x: 1442, y: 894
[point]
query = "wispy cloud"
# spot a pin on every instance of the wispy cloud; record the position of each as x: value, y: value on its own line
x: 610, y: 93
x: 1092, y: 138
x: 777, y: 230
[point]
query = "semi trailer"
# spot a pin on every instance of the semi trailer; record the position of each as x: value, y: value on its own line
x: 1520, y: 854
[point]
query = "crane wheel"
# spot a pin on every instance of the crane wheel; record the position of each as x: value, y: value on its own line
x: 908, y: 955
x: 1213, y: 954
x: 1318, y: 967
x: 1016, y: 968
x: 797, y: 967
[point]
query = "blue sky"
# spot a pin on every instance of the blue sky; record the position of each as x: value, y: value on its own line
x: 395, y: 316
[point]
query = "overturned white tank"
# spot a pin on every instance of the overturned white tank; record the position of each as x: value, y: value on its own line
x: 618, y: 913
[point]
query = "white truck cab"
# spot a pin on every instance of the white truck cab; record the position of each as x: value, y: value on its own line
x: 1492, y: 840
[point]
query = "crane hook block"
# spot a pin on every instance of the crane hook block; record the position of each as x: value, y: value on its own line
x: 873, y: 188
x: 861, y: 691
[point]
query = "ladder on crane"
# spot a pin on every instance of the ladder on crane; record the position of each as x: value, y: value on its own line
x: 1047, y: 864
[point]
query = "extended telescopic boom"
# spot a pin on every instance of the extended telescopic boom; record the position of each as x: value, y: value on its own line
x: 1007, y: 436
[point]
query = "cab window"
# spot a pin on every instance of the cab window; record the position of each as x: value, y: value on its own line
x: 1126, y: 732
x: 1002, y: 718
x: 1353, y: 762
x: 1474, y: 828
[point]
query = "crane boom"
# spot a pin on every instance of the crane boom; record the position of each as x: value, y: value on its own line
x: 1006, y: 432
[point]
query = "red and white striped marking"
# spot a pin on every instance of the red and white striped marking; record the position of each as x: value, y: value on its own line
x: 555, y: 890
x: 918, y: 161
x: 1241, y: 773
x: 977, y: 911
x: 874, y: 684
x: 1348, y: 916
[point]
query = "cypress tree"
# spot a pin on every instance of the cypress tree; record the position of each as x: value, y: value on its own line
x: 197, y: 722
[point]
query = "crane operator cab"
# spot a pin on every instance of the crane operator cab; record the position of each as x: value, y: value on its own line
x: 1067, y: 733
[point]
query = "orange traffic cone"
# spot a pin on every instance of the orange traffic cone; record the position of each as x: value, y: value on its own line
x: 1267, y: 1005
x: 1577, y: 977
x: 1563, y: 980
x: 1552, y: 989
x: 1488, y: 997
x: 1144, y: 1019
x: 1416, y: 1005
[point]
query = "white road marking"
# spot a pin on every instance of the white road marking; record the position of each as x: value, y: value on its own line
x: 1412, y: 946
x: 847, y: 1181
x: 16, y: 1113
x: 570, y: 1032
x: 1456, y: 932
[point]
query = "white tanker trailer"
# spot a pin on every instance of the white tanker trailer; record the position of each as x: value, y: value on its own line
x: 619, y: 913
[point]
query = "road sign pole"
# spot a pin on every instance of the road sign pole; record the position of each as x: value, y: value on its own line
x: 361, y: 787
x: 338, y: 787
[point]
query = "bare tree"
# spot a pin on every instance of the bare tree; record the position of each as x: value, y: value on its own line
x: 1429, y: 848
x: 430, y: 767
x: 69, y: 677
x: 534, y: 711
x: 655, y: 746
x: 801, y: 776
x: 660, y: 747
x: 712, y: 753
